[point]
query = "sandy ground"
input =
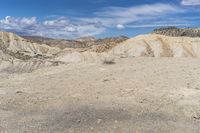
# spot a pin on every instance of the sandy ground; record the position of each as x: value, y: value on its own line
x: 139, y: 95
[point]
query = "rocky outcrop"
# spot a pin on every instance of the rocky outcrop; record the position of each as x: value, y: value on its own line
x: 18, y: 54
x: 178, y: 32
x: 152, y: 45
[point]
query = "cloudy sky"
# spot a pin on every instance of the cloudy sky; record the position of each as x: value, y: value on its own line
x: 101, y: 18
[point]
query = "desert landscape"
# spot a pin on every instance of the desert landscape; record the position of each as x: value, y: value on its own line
x: 146, y: 84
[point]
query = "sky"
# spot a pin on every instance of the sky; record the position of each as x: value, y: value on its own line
x: 69, y: 19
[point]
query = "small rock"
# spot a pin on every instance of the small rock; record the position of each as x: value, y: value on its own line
x: 188, y: 85
x: 105, y: 80
x: 99, y: 121
x: 78, y: 121
x: 19, y: 92
x: 92, y: 128
x: 196, y: 116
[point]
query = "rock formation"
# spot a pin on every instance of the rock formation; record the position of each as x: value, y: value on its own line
x: 21, y: 55
x: 18, y: 54
x: 153, y: 45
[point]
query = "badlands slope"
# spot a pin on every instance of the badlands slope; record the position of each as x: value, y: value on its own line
x: 21, y: 55
x: 98, y: 45
x: 153, y: 45
x: 73, y: 91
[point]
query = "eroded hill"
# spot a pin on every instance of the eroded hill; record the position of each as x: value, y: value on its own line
x: 18, y: 54
x: 21, y: 55
x: 153, y: 45
x: 85, y: 43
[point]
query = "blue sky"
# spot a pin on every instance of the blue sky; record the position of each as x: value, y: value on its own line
x: 101, y: 18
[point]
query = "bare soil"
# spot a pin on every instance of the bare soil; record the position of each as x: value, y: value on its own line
x: 138, y: 95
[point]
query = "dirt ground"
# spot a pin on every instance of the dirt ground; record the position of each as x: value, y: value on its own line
x: 138, y: 95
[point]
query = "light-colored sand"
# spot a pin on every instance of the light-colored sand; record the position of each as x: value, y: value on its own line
x: 135, y: 95
x: 138, y: 95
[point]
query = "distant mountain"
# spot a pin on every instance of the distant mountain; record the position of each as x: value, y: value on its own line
x: 97, y: 45
x: 178, y: 32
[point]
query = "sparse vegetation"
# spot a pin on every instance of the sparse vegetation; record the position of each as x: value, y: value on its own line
x: 109, y: 60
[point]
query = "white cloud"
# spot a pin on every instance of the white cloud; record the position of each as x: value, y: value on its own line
x: 59, y: 27
x: 151, y: 9
x: 120, y: 26
x: 190, y: 2
x: 110, y: 17
x: 11, y: 22
x: 71, y: 28
x: 57, y: 22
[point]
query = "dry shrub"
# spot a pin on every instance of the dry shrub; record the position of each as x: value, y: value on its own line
x: 109, y: 60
